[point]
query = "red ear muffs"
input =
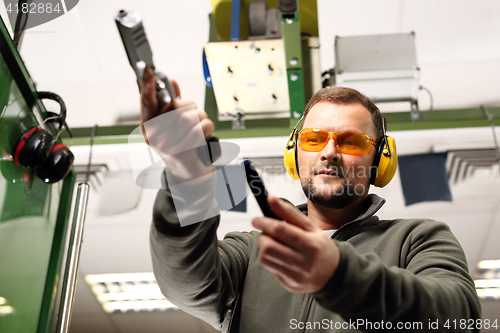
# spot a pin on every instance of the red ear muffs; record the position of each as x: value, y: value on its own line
x: 36, y: 149
x: 33, y: 148
x: 57, y: 165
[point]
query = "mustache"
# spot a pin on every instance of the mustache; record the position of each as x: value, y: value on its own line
x: 338, y: 170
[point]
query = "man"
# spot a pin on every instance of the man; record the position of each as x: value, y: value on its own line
x: 333, y: 266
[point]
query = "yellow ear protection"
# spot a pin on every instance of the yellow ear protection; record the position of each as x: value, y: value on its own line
x: 385, y: 162
x: 290, y: 157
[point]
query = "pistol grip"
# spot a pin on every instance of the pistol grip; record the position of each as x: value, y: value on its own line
x: 213, y: 153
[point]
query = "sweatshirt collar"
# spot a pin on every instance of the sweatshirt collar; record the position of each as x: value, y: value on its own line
x: 373, y: 205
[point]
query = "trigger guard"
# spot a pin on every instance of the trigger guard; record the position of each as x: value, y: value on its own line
x: 163, y: 98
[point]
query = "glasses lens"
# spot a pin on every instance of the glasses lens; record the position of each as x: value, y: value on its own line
x: 313, y: 139
x: 353, y: 143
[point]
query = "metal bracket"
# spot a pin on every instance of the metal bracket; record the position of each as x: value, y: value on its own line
x: 239, y: 119
x: 415, y: 112
x: 492, y: 123
x: 290, y: 29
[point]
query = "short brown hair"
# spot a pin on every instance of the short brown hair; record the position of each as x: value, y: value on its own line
x: 343, y: 95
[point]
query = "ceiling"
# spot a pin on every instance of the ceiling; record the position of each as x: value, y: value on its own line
x: 80, y: 56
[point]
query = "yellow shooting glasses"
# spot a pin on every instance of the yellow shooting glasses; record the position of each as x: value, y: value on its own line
x: 348, y: 142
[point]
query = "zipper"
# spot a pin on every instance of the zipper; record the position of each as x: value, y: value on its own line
x: 233, y: 310
x: 308, y: 309
x: 356, y: 221
x: 310, y: 300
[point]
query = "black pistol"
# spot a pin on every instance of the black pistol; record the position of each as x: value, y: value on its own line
x: 140, y: 56
x: 258, y: 189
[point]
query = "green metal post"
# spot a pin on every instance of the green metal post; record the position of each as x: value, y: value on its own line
x: 290, y: 29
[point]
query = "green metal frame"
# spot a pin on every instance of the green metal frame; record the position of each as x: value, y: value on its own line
x: 19, y: 72
x: 290, y: 30
x: 47, y: 313
x: 30, y: 95
x: 397, y: 121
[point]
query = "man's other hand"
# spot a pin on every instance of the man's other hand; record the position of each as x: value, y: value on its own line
x: 297, y: 252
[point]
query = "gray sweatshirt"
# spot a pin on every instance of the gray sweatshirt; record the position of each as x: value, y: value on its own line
x: 398, y: 275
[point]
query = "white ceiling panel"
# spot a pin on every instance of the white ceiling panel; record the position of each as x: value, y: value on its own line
x: 95, y: 323
x: 168, y: 322
x: 359, y: 17
x: 450, y: 31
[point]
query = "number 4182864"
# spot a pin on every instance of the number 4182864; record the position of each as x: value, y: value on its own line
x: 34, y: 8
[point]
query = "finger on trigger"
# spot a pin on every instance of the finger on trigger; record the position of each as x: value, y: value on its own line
x: 176, y: 88
x: 202, y: 114
x: 147, y: 82
x: 149, y: 104
x: 181, y: 103
x: 208, y: 126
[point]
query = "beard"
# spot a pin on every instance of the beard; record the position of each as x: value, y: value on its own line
x: 331, y: 193
x: 342, y: 196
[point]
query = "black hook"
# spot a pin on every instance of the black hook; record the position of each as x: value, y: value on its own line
x: 61, y: 117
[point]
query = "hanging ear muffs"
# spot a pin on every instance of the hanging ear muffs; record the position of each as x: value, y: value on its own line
x: 37, y: 149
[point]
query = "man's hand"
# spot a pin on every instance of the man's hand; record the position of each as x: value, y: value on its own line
x: 175, y: 136
x: 149, y: 103
x: 298, y: 253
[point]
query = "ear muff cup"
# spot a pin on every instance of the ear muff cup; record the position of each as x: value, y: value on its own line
x: 290, y: 157
x: 36, y: 150
x: 57, y: 165
x: 385, y: 164
x: 33, y: 148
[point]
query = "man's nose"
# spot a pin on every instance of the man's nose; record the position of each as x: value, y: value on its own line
x: 331, y: 151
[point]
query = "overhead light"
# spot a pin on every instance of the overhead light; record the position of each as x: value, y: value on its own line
x: 5, y: 308
x: 487, y: 283
x: 488, y: 279
x: 489, y: 264
x: 128, y: 292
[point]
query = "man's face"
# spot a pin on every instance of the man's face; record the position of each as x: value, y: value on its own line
x: 329, y: 178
